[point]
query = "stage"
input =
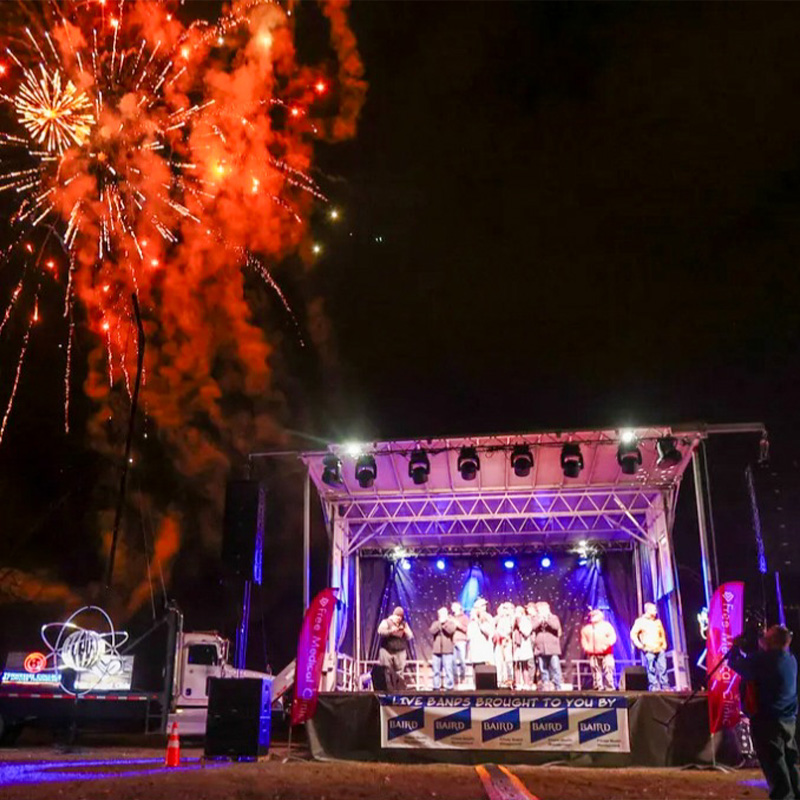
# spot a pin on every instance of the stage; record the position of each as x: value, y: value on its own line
x: 619, y: 729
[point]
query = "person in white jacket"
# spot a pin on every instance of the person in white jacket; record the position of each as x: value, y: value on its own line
x: 480, y: 632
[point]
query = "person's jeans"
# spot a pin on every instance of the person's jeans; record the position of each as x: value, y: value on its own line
x: 656, y: 664
x: 776, y: 748
x: 602, y: 672
x: 550, y: 669
x: 460, y: 661
x: 442, y: 663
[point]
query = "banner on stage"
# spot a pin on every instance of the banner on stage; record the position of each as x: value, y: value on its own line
x: 725, y: 623
x: 480, y: 722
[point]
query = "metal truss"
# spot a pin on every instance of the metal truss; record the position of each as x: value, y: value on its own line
x: 607, y: 513
x: 415, y: 551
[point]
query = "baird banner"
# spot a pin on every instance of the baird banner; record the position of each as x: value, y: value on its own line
x: 478, y: 722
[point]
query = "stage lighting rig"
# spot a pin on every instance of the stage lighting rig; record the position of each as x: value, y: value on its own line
x: 419, y: 467
x: 468, y: 463
x: 571, y: 460
x: 332, y: 470
x: 668, y: 453
x: 522, y: 460
x: 366, y: 471
x: 629, y: 456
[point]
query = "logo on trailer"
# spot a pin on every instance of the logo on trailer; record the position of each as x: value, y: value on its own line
x: 501, y: 725
x: 82, y: 653
x: 404, y: 724
x: 452, y: 724
x: 35, y: 662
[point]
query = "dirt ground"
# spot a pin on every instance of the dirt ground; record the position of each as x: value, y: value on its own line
x: 43, y: 772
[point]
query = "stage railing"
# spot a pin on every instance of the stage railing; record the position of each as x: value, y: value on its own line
x: 418, y: 673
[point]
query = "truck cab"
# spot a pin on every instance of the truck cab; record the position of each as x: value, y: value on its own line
x: 200, y: 656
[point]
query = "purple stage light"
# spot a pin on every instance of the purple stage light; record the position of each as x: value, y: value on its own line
x: 440, y: 565
x: 509, y: 563
x: 546, y: 562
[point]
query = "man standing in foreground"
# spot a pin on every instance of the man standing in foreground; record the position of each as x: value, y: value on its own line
x: 395, y: 636
x: 647, y: 635
x: 772, y: 672
x: 442, y: 630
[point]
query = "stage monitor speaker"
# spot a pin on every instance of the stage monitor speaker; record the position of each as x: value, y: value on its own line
x: 243, y: 531
x: 239, y: 716
x: 634, y: 679
x: 485, y: 677
x: 379, y: 678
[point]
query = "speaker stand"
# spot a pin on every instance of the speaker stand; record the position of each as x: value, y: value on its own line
x: 289, y: 757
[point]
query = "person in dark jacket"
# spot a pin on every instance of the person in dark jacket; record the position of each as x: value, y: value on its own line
x: 442, y: 631
x: 395, y: 636
x: 547, y: 645
x: 772, y: 672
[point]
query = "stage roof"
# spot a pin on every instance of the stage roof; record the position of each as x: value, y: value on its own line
x: 497, y: 507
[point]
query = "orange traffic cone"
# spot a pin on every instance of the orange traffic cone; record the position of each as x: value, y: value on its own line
x: 173, y: 758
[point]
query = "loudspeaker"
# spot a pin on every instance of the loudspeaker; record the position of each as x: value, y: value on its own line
x: 243, y: 531
x: 485, y: 677
x: 634, y: 679
x: 239, y: 716
x: 379, y: 678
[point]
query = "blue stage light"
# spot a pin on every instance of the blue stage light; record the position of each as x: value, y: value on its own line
x: 405, y: 564
x: 583, y: 562
x: 509, y: 563
x: 440, y: 563
x: 546, y: 562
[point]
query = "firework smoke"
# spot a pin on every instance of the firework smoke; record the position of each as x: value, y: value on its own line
x: 167, y: 160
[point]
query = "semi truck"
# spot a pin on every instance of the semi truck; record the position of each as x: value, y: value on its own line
x: 170, y: 671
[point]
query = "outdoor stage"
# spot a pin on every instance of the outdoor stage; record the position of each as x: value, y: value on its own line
x: 354, y: 726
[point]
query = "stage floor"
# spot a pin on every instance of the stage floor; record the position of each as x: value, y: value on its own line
x: 461, y: 727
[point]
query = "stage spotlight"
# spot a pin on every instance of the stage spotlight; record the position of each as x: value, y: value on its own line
x: 366, y: 471
x: 522, y: 460
x: 668, y: 453
x: 440, y: 565
x: 509, y: 563
x: 419, y: 467
x: 627, y: 436
x: 354, y: 449
x: 629, y: 457
x: 546, y: 562
x: 571, y: 460
x: 468, y: 463
x: 332, y: 470
x: 405, y: 564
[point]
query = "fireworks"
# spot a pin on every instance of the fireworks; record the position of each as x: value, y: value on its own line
x: 141, y: 146
x: 56, y: 116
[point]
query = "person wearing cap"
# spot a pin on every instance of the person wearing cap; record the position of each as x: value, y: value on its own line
x: 598, y: 638
x: 395, y: 635
x: 480, y: 631
x: 648, y: 636
x: 772, y: 674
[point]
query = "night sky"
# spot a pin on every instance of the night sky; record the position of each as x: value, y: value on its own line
x: 554, y: 215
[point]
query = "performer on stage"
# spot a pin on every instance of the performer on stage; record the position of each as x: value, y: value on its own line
x: 395, y: 636
x: 523, y: 649
x: 480, y: 631
x: 547, y: 645
x: 503, y: 647
x: 648, y: 636
x: 460, y: 643
x: 442, y: 630
x: 598, y: 638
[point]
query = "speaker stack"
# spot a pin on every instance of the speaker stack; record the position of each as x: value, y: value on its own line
x: 239, y: 714
x: 634, y: 679
x: 243, y: 529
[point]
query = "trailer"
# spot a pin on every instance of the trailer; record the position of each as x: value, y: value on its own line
x: 170, y: 672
